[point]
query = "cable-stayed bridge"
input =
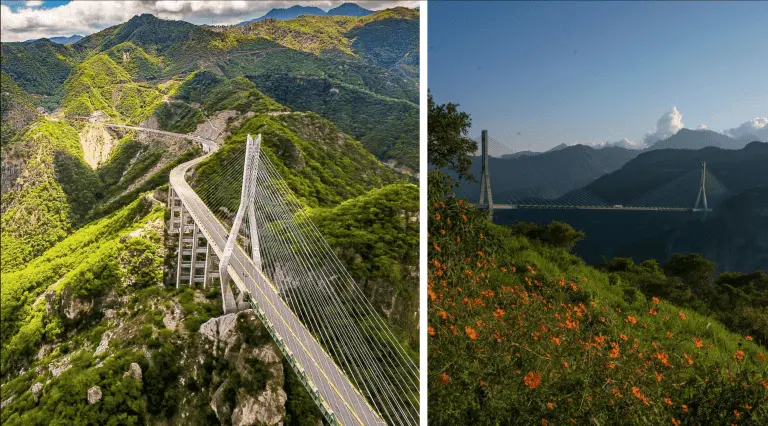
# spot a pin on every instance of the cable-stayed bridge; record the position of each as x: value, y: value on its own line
x: 242, y: 224
x: 691, y: 192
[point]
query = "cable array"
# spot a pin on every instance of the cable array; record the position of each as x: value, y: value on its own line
x: 314, y: 283
x: 550, y: 190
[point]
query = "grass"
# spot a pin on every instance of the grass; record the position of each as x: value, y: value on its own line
x: 522, y: 333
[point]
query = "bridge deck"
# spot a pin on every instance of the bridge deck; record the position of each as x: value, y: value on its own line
x: 565, y: 207
x: 346, y: 403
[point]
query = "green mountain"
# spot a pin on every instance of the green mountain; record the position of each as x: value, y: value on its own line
x: 368, y: 60
x: 91, y: 331
x: 545, y: 175
x: 17, y: 108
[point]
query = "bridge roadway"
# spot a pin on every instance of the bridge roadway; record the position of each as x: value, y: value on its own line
x: 554, y: 207
x: 328, y: 382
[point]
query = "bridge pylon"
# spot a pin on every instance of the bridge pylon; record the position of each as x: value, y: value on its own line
x: 247, y: 195
x: 485, y: 177
x: 702, y: 190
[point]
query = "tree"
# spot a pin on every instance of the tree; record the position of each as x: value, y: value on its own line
x: 448, y: 146
x: 692, y: 269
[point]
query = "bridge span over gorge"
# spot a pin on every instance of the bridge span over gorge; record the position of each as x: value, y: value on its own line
x: 676, y: 195
x: 243, y: 225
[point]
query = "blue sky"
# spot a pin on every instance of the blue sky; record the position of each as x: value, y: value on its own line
x: 540, y: 74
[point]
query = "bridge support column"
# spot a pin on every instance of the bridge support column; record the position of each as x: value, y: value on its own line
x: 179, y: 258
x: 485, y: 177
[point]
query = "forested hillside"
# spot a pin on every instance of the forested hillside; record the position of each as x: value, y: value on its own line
x: 524, y: 332
x: 92, y: 332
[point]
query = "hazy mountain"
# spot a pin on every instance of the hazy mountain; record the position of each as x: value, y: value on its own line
x: 546, y: 175
x: 558, y: 148
x: 349, y: 9
x: 284, y: 14
x: 738, y: 170
x: 61, y: 40
x: 697, y: 139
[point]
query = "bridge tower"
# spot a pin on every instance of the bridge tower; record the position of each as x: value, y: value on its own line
x: 485, y: 177
x: 702, y: 190
x: 247, y: 195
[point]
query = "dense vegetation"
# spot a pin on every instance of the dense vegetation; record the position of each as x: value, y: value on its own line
x: 83, y: 253
x: 523, y: 332
x: 376, y: 236
x: 16, y: 108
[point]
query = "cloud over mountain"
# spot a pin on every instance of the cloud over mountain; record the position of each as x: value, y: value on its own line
x: 669, y: 124
x: 757, y: 126
x: 31, y: 21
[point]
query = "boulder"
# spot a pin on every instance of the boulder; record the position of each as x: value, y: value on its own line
x: 133, y: 371
x: 36, y: 390
x: 94, y: 395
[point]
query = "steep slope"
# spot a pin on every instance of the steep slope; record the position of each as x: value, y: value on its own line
x: 52, y: 189
x: 17, y: 108
x: 546, y: 175
x: 114, y: 346
x: 526, y: 331
x: 738, y: 170
x: 39, y: 67
x: 100, y: 84
x: 376, y: 236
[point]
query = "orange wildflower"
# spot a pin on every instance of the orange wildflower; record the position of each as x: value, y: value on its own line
x: 555, y: 340
x: 688, y: 358
x: 655, y: 300
x: 614, y: 352
x: 737, y: 413
x: 565, y: 364
x: 550, y: 405
x: 675, y: 422
x: 430, y: 330
x: 668, y: 401
x: 669, y: 334
x: 532, y: 380
x: 639, y: 395
x: 498, y: 313
x: 685, y: 408
x: 631, y: 319
x: 653, y: 312
x: 697, y: 342
x: 658, y: 377
x: 739, y: 355
x: 748, y: 338
x: 682, y: 315
x: 530, y: 268
x: 471, y: 332
x: 443, y: 379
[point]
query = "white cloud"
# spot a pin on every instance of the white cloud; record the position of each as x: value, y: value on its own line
x: 31, y: 3
x: 624, y: 143
x: 86, y: 17
x: 669, y: 124
x: 702, y: 127
x: 756, y: 127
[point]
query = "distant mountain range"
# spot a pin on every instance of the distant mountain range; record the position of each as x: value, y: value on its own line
x: 283, y: 14
x: 61, y: 40
x: 564, y: 168
x: 546, y: 175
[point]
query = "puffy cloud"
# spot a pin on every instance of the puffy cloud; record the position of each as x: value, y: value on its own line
x: 756, y: 127
x: 86, y: 17
x: 31, y: 3
x: 669, y: 124
x: 702, y: 127
x: 624, y: 143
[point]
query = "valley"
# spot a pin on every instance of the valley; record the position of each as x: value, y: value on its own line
x: 92, y: 325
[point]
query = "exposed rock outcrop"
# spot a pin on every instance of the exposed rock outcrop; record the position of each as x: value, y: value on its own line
x: 94, y: 395
x: 133, y: 371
